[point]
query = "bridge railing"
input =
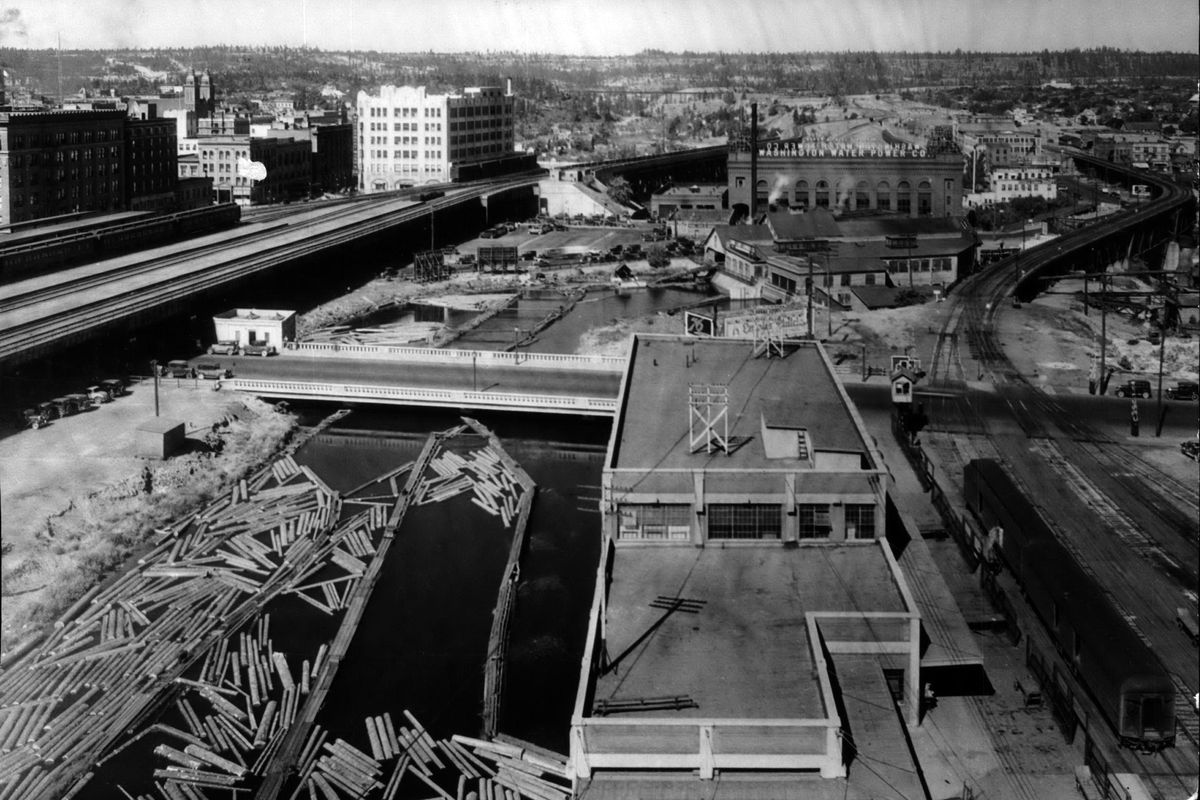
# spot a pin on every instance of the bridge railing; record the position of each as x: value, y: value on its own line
x: 490, y: 358
x: 403, y: 395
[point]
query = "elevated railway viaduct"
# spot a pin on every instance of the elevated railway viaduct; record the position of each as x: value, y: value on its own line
x: 1142, y: 232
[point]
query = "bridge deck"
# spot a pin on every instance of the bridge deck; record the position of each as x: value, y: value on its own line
x: 457, y: 384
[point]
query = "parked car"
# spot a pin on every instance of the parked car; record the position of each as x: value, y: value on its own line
x: 258, y: 349
x: 1190, y: 448
x: 114, y: 387
x: 177, y: 369
x: 65, y: 405
x: 224, y: 348
x: 98, y: 394
x: 489, y: 234
x: 1135, y: 388
x: 33, y: 418
x: 212, y: 371
x: 1184, y: 390
x: 82, y: 401
x: 49, y: 410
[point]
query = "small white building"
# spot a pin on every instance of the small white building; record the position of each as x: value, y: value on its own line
x: 245, y: 326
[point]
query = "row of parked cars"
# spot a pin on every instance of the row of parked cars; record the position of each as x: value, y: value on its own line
x: 1182, y: 390
x: 43, y: 413
x: 208, y: 370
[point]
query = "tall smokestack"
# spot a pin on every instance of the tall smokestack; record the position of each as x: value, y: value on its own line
x: 753, y: 162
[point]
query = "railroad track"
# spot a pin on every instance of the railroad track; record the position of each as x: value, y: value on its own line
x: 17, y: 337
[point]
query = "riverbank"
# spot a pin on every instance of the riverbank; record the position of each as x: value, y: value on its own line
x: 76, y: 503
x: 385, y: 292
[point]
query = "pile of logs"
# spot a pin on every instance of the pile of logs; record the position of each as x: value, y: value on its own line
x: 397, y: 334
x: 458, y: 768
x: 115, y: 650
x: 495, y: 485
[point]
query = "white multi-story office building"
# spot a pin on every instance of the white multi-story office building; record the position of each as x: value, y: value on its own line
x: 407, y: 137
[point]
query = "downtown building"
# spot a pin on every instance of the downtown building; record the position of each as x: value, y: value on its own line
x: 407, y: 137
x: 61, y: 162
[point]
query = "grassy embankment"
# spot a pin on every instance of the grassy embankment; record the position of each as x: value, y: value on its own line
x: 86, y: 541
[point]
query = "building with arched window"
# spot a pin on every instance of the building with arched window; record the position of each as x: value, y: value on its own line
x: 899, y: 178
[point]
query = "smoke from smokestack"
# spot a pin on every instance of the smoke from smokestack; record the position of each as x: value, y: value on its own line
x: 781, y: 184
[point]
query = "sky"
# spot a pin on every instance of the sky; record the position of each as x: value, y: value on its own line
x: 606, y: 27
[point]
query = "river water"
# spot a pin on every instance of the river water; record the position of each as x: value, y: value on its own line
x: 421, y: 644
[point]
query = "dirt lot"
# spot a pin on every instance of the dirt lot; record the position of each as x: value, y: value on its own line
x: 74, y: 493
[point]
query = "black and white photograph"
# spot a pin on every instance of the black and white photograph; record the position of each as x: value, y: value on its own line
x: 620, y: 400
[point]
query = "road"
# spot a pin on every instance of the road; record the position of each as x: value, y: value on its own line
x: 460, y: 376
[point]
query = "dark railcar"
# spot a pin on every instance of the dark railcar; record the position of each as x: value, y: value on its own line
x: 1123, y: 675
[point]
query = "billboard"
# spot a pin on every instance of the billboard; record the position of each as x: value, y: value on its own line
x: 785, y: 320
x: 698, y: 324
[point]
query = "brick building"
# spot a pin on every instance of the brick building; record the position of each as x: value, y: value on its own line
x: 287, y: 163
x: 909, y: 180
x: 151, y: 164
x: 58, y: 162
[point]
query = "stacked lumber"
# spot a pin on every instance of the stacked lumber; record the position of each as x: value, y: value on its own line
x: 110, y: 655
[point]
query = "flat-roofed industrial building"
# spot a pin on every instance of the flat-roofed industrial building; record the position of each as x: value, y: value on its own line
x: 745, y: 582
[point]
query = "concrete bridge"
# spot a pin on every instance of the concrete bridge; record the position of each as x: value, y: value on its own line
x: 414, y: 376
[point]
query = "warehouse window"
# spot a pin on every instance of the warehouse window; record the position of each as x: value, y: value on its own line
x: 860, y: 521
x: 654, y: 522
x: 744, y: 521
x: 814, y: 521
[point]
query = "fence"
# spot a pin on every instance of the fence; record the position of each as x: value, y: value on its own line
x: 1061, y: 699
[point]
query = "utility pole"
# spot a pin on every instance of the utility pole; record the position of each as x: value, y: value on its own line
x: 1162, y: 346
x: 809, y: 315
x: 1103, y: 333
x: 154, y: 369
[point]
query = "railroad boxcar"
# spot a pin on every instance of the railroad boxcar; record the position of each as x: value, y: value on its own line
x: 1124, y: 677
